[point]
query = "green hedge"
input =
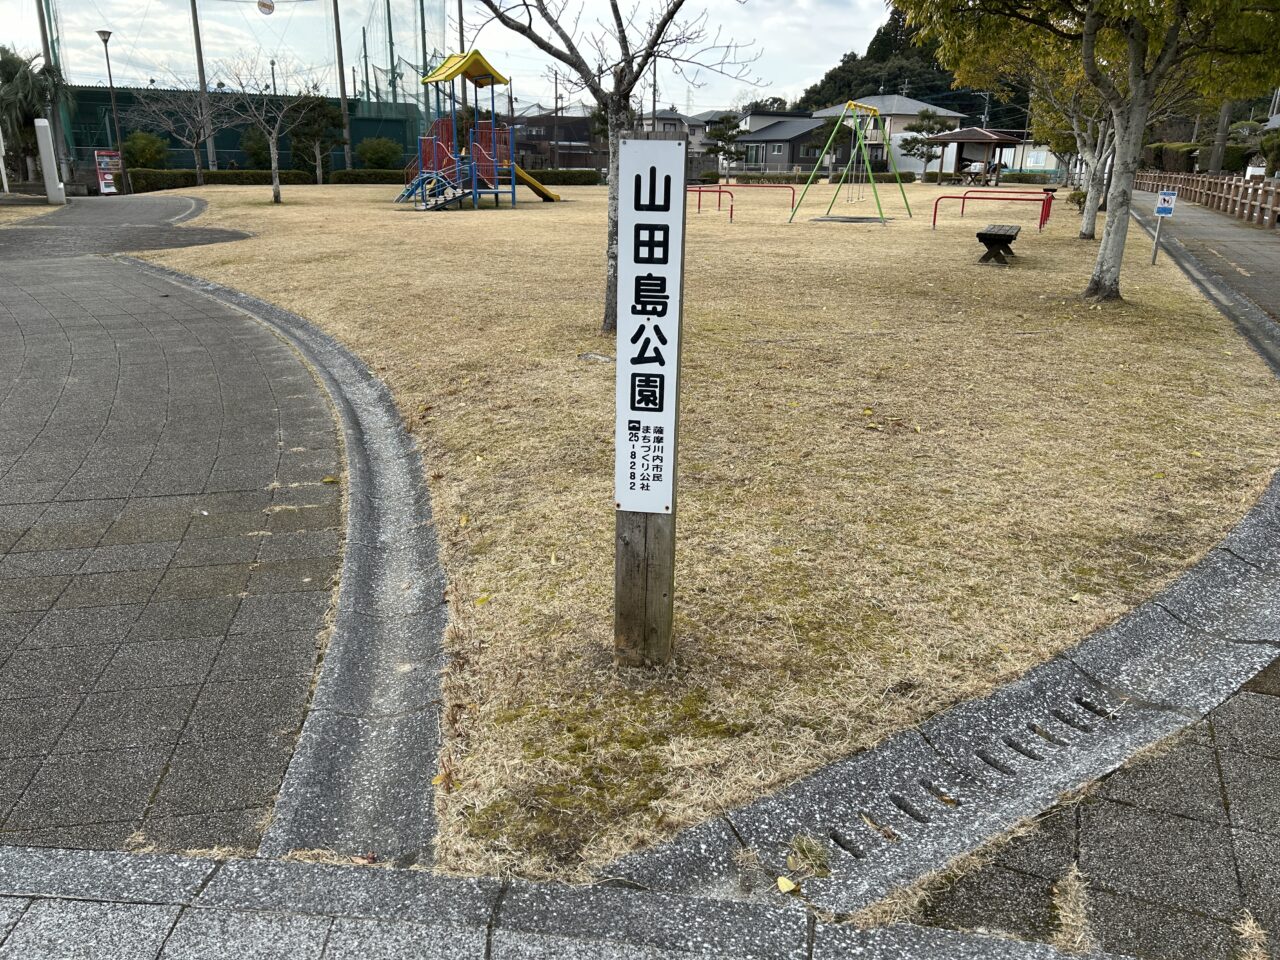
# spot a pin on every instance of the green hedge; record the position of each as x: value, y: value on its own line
x: 1024, y: 178
x: 367, y: 175
x: 144, y: 180
x: 770, y: 177
x: 907, y: 176
x: 569, y: 178
x: 1176, y: 157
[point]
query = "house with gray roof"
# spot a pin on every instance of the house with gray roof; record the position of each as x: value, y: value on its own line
x: 784, y: 146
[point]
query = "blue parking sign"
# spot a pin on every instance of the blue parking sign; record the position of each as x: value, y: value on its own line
x: 1164, y: 205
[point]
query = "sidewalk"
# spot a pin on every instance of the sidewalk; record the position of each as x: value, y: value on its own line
x: 169, y: 547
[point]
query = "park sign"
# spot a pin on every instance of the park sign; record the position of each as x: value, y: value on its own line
x: 651, y: 193
x: 651, y: 221
x: 1164, y: 203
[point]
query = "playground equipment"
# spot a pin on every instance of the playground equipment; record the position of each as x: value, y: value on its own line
x: 720, y: 192
x: 446, y: 170
x: 863, y: 119
x: 1045, y: 200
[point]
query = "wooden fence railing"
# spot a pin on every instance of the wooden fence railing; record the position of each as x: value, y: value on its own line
x: 1253, y: 201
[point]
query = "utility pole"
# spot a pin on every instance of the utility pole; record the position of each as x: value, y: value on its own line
x: 364, y: 42
x: 462, y: 48
x: 342, y: 88
x: 555, y: 121
x: 986, y: 108
x: 52, y: 110
x: 653, y: 117
x: 422, y: 90
x: 273, y: 77
x: 204, y: 87
x: 391, y: 54
x: 355, y: 87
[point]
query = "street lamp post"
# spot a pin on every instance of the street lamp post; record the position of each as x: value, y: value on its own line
x: 104, y: 36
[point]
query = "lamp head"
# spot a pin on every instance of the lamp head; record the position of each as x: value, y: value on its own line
x: 104, y: 36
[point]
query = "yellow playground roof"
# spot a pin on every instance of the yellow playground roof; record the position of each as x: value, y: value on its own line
x: 470, y: 66
x: 853, y: 106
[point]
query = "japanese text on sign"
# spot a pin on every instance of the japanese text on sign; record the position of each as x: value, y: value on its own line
x: 651, y: 193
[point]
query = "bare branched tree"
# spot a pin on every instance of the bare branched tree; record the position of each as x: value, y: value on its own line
x: 183, y: 115
x: 608, y: 55
x: 275, y: 116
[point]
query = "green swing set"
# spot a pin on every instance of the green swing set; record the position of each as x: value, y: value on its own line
x: 863, y: 115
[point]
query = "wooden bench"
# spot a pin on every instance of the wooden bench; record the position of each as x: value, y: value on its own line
x: 997, y: 237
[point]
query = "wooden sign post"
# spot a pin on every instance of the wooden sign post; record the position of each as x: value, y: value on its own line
x: 651, y: 222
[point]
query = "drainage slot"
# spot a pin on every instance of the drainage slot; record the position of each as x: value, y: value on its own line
x: 1093, y: 708
x: 1071, y: 721
x: 883, y: 829
x: 1017, y: 747
x: 995, y: 764
x: 847, y: 845
x: 907, y: 807
x: 939, y: 794
x: 1047, y: 736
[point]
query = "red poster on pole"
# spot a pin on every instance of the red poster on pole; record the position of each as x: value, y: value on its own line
x: 108, y: 165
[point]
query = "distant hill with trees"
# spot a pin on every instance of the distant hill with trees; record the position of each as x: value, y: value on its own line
x: 893, y: 63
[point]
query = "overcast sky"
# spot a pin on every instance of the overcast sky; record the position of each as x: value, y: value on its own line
x: 797, y: 40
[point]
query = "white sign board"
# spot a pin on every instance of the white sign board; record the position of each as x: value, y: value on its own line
x: 1164, y: 203
x: 651, y: 195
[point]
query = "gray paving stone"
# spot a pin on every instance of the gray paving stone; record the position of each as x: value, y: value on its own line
x: 253, y: 656
x: 84, y: 626
x: 906, y: 942
x: 11, y: 908
x: 15, y: 773
x: 689, y: 925
x: 74, y: 930
x: 357, y: 892
x: 215, y: 581
x: 995, y: 898
x: 30, y: 593
x: 124, y: 877
x: 1183, y: 781
x: 86, y: 788
x: 1127, y: 926
x: 1048, y: 849
x: 239, y: 709
x: 103, y: 589
x: 159, y: 663
x: 42, y: 563
x: 701, y: 860
x: 30, y: 727
x: 285, y: 611
x: 1258, y: 859
x: 133, y: 556
x: 64, y: 671
x: 396, y: 940
x: 115, y: 835
x: 128, y: 718
x: 1249, y: 723
x: 1133, y: 852
x: 222, y: 775
x: 237, y: 830
x: 1252, y: 786
x: 195, y: 617
x: 219, y: 934
x: 217, y: 550
x: 1227, y: 597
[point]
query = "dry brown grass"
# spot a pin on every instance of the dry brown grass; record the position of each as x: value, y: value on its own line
x: 905, y: 479
x: 11, y: 213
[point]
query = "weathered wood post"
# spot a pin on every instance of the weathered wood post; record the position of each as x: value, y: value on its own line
x: 651, y: 224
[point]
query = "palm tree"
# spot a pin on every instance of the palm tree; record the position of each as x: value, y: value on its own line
x: 27, y: 92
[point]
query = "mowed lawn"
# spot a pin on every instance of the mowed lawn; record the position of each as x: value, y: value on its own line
x: 904, y: 479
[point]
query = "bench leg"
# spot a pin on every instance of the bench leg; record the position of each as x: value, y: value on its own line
x: 1006, y: 250
x: 994, y: 253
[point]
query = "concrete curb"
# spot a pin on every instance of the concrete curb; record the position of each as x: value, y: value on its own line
x: 230, y: 908
x: 897, y: 812
x: 360, y: 778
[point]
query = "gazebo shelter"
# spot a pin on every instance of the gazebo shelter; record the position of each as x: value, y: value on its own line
x: 989, y: 142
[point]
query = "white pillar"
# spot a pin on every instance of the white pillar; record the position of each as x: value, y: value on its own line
x: 4, y: 176
x: 49, y: 164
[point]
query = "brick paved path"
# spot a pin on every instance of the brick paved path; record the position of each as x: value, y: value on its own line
x: 167, y: 545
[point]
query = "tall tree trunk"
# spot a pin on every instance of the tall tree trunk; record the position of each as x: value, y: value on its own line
x: 1220, y: 138
x: 1104, y: 284
x: 616, y: 115
x: 275, y: 168
x: 195, y: 155
x: 319, y: 164
x: 1095, y: 190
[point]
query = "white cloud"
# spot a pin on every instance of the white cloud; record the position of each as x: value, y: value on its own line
x: 797, y: 40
